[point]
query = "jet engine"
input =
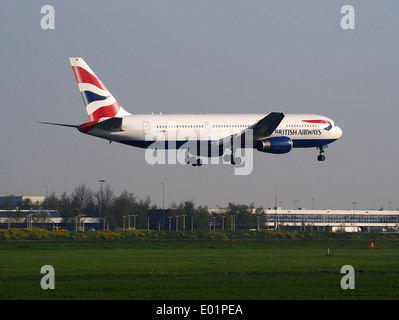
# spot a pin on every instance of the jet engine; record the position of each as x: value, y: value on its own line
x: 274, y: 145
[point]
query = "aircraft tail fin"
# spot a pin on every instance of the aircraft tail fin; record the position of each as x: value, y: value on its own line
x: 100, y: 103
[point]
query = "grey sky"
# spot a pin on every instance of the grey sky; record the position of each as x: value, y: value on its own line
x: 204, y: 56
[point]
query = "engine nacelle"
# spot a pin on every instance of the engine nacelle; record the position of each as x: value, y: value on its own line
x: 274, y: 145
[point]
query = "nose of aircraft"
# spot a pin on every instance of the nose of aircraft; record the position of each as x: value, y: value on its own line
x: 338, y: 132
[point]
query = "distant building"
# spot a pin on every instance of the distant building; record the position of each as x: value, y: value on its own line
x: 334, y: 220
x: 327, y: 220
x: 14, y: 201
x: 28, y: 218
x: 46, y: 219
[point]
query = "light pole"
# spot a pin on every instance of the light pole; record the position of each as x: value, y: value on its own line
x: 81, y: 222
x: 128, y: 221
x: 29, y: 220
x: 184, y: 222
x: 354, y: 217
x: 163, y: 206
x: 101, y: 195
x: 46, y: 196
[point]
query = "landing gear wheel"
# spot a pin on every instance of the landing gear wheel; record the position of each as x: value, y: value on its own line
x: 226, y: 158
x: 235, y: 160
x: 194, y: 162
x: 232, y: 159
x: 238, y: 160
x: 321, y: 157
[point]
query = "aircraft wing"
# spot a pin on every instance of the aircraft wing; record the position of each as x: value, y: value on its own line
x: 261, y: 129
x: 265, y: 127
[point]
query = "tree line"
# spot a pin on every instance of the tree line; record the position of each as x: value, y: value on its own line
x: 127, y: 210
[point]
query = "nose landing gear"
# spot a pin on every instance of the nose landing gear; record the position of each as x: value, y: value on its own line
x: 321, y: 156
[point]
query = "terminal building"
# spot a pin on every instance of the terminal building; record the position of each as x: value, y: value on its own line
x: 333, y: 220
x: 323, y: 220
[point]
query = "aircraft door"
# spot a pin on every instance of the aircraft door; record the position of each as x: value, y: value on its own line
x: 146, y: 127
x: 207, y: 127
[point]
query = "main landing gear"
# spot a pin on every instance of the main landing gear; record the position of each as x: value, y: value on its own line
x: 321, y: 156
x: 192, y: 160
x: 232, y: 159
x: 197, y: 162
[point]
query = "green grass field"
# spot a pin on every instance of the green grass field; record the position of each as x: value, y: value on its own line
x: 198, y: 270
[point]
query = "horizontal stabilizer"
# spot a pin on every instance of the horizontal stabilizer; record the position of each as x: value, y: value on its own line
x: 61, y: 124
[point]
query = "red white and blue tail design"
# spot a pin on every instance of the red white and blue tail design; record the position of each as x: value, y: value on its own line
x: 100, y: 103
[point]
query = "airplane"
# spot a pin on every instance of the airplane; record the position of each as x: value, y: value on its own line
x: 200, y: 135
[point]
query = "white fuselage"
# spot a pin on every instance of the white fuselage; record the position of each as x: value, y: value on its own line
x: 305, y: 130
